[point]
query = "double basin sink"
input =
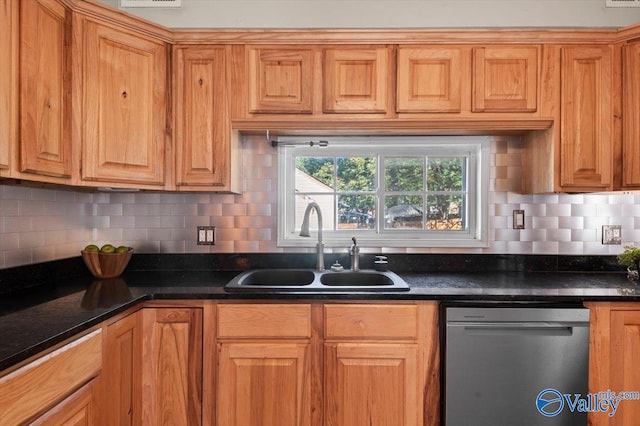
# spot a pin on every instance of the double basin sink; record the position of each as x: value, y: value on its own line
x: 308, y: 280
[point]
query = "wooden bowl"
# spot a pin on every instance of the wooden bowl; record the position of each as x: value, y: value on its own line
x: 106, y: 265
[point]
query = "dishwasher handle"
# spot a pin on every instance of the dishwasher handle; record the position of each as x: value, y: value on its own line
x: 524, y: 328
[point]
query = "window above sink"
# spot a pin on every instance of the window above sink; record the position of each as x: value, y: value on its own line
x: 387, y: 191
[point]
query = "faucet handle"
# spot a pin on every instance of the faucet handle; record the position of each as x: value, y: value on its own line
x: 354, y: 249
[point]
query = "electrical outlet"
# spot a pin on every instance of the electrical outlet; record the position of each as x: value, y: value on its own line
x: 206, y: 235
x: 611, y: 234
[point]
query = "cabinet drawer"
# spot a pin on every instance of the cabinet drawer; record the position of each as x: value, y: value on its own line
x: 264, y: 320
x: 48, y: 380
x: 371, y: 321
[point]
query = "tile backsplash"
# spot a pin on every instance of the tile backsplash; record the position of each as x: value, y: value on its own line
x: 38, y: 225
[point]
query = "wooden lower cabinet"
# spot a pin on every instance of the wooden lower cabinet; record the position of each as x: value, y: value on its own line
x: 266, y: 355
x: 172, y: 366
x: 264, y: 384
x: 381, y: 364
x: 123, y: 371
x: 152, y: 369
x: 58, y: 388
x: 372, y: 383
x: 79, y: 409
x: 299, y: 364
x: 613, y: 359
x: 326, y: 364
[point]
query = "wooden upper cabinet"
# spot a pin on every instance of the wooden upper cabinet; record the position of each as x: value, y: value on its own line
x: 172, y: 366
x: 45, y: 103
x: 429, y: 79
x: 280, y: 80
x: 124, y: 106
x: 203, y: 147
x: 586, y: 117
x: 631, y: 116
x: 8, y: 81
x: 505, y: 78
x: 357, y: 80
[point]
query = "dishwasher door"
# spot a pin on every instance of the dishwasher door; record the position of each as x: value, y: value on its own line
x: 499, y: 360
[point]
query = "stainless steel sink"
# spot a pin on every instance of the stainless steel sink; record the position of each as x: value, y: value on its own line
x: 307, y: 280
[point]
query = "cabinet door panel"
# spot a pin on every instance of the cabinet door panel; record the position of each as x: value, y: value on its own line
x: 586, y: 141
x: 45, y: 145
x: 280, y: 80
x: 372, y: 384
x: 8, y: 80
x: 505, y: 78
x: 429, y: 79
x: 202, y: 125
x: 122, y: 372
x: 124, y: 107
x: 264, y: 383
x: 79, y: 409
x: 355, y: 80
x: 625, y: 374
x: 172, y: 367
x: 631, y: 117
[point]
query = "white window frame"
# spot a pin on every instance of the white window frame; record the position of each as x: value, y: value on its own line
x: 474, y: 148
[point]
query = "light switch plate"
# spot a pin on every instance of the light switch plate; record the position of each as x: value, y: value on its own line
x: 611, y: 234
x: 518, y: 219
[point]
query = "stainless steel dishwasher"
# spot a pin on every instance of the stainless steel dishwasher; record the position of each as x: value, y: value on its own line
x: 512, y: 366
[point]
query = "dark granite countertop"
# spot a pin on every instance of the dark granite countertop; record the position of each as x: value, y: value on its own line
x: 44, y: 304
x: 42, y: 316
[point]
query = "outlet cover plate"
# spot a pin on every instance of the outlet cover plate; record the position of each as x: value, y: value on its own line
x: 206, y: 235
x: 611, y: 234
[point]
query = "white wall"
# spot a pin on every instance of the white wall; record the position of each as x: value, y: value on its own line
x: 388, y: 14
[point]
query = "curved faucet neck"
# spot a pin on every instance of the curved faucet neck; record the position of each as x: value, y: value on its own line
x: 304, y: 231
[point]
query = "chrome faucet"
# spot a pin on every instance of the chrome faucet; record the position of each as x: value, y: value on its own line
x: 354, y: 251
x: 304, y: 232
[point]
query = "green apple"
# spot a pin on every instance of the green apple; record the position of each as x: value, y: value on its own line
x: 92, y: 247
x: 108, y: 248
x: 123, y: 249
